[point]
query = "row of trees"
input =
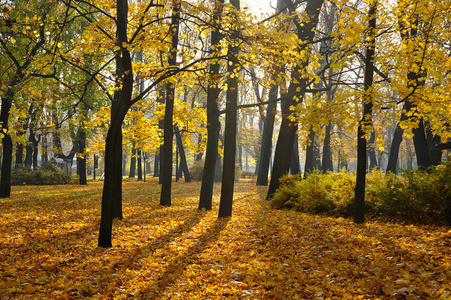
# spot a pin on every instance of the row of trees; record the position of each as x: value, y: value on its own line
x: 145, y: 71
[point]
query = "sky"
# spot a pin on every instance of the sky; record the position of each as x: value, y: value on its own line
x: 258, y: 6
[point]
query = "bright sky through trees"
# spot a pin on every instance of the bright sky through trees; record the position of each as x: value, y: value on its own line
x: 259, y: 6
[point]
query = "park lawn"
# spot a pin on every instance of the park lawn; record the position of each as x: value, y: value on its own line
x: 48, y: 249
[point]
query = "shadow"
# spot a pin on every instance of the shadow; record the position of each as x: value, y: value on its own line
x: 178, y: 265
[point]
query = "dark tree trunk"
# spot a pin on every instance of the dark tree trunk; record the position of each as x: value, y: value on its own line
x: 19, y: 156
x: 310, y: 154
x: 266, y: 144
x: 295, y: 166
x: 35, y: 142
x: 183, y: 164
x: 198, y: 156
x: 372, y: 151
x: 396, y: 143
x: 156, y: 166
x: 132, y: 163
x: 213, y: 124
x: 140, y: 168
x: 228, y: 170
x: 421, y: 146
x: 81, y: 160
x: 44, y: 157
x: 327, y: 164
x: 359, y: 202
x: 112, y: 188
x: 166, y: 186
x: 29, y: 152
x: 296, y: 90
x: 7, y: 158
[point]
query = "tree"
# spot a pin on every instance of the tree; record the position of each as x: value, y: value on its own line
x: 233, y: 68
x: 22, y: 41
x: 365, y: 124
x: 213, y: 124
x: 296, y: 92
x: 165, y: 198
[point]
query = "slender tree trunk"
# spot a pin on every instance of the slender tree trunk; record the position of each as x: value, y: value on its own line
x: 139, y: 162
x: 359, y: 202
x: 295, y: 166
x: 228, y: 173
x: 112, y: 188
x: 19, y: 156
x: 372, y: 151
x: 183, y: 164
x: 81, y: 161
x: 268, y: 129
x: 213, y: 124
x: 396, y: 143
x: 310, y: 154
x: 156, y: 166
x: 132, y: 172
x: 166, y: 186
x: 327, y: 164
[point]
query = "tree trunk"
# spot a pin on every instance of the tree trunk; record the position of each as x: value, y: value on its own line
x: 228, y: 170
x: 327, y: 164
x: 296, y: 90
x: 359, y: 202
x: 295, y: 167
x: 268, y: 129
x: 139, y: 162
x: 372, y: 151
x: 112, y: 188
x: 213, y: 124
x: 310, y: 154
x: 183, y: 164
x: 166, y: 186
x: 156, y: 166
x: 132, y: 172
x: 19, y: 156
x: 396, y: 143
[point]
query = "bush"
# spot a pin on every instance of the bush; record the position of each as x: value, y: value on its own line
x: 418, y: 196
x: 330, y: 193
x: 47, y: 174
x: 415, y: 196
x: 196, y: 170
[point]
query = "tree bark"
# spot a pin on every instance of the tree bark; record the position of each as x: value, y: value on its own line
x: 165, y: 198
x: 228, y: 170
x: 327, y: 164
x: 295, y: 166
x: 213, y: 124
x: 183, y: 164
x: 132, y: 172
x: 359, y: 202
x: 112, y: 188
x: 268, y: 130
x: 297, y: 88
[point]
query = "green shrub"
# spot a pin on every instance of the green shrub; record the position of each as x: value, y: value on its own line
x: 418, y: 196
x: 330, y: 193
x: 196, y: 170
x: 47, y: 174
x: 415, y: 196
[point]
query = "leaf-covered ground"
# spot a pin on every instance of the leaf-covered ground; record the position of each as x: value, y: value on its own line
x: 48, y: 250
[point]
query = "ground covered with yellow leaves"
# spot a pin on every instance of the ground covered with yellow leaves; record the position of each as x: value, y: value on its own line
x: 48, y: 250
